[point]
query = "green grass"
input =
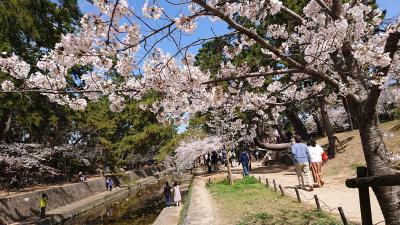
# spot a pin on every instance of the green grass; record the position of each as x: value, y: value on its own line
x: 186, y: 201
x: 355, y: 165
x: 249, y: 202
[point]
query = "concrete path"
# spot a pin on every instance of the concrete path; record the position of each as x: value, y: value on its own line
x: 169, y: 216
x: 202, y: 210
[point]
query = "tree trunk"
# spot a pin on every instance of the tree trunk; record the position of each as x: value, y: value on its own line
x: 346, y: 108
x: 228, y: 157
x: 279, y: 128
x: 375, y: 153
x: 320, y: 131
x: 298, y: 125
x: 328, y: 127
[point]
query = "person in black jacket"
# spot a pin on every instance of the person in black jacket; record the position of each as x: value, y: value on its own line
x: 214, y: 160
x: 167, y: 194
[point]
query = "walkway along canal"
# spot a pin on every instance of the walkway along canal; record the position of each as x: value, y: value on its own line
x: 135, y: 203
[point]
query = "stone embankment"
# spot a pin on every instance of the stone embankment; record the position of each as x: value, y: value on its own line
x: 70, y: 200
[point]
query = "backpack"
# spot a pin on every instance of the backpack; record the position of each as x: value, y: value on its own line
x: 324, y: 156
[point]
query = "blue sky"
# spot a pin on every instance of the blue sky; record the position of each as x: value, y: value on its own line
x: 204, y: 29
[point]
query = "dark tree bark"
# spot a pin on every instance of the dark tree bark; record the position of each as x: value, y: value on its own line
x: 282, y: 135
x: 376, y: 158
x: 320, y: 131
x: 300, y: 129
x: 5, y: 125
x: 328, y: 127
x: 349, y: 117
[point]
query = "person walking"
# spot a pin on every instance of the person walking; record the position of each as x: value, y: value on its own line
x: 80, y: 175
x: 177, y: 194
x: 256, y: 154
x: 232, y: 158
x: 106, y: 184
x: 244, y: 160
x: 110, y: 183
x: 167, y: 194
x: 208, y: 161
x: 316, y: 152
x: 214, y: 160
x: 43, y: 205
x: 301, y: 159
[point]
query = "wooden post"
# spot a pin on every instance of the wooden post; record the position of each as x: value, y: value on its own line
x: 283, y: 193
x: 266, y: 181
x: 363, y: 193
x: 298, y: 195
x: 317, y: 202
x: 209, y: 180
x: 275, y: 186
x: 259, y: 179
x: 342, y: 216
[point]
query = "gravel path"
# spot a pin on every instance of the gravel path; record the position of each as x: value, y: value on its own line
x: 334, y: 193
x: 202, y: 208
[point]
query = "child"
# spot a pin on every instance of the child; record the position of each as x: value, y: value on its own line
x: 177, y: 194
x: 42, y: 205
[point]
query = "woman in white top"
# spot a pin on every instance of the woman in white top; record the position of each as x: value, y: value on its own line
x: 177, y: 194
x: 316, y: 162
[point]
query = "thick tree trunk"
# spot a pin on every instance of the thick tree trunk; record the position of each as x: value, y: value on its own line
x: 298, y: 125
x: 328, y: 127
x: 279, y: 128
x: 274, y: 147
x: 320, y: 131
x: 349, y: 117
x: 375, y: 153
x: 5, y: 125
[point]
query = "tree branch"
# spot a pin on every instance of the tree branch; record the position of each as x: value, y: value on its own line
x: 256, y: 74
x: 264, y: 43
x: 327, y: 9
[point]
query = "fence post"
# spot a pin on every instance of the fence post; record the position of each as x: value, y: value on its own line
x: 342, y: 216
x: 283, y: 193
x: 298, y: 195
x: 266, y: 181
x: 259, y: 179
x: 317, y: 202
x: 275, y: 186
x: 363, y: 193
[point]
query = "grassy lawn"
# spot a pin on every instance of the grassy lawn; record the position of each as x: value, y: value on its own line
x: 248, y: 202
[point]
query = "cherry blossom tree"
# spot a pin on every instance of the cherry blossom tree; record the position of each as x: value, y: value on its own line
x: 191, y: 149
x: 344, y: 47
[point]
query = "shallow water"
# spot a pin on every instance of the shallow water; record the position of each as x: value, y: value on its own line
x: 132, y: 210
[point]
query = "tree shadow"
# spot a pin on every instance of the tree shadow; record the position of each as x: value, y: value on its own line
x: 273, y: 169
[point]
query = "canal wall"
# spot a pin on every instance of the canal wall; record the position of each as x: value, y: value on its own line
x: 172, y: 215
x: 26, y: 205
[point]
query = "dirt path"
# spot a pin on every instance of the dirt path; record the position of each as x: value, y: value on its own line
x: 202, y: 208
x: 333, y: 194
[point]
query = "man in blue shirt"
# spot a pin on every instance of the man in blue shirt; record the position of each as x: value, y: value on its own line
x: 244, y: 160
x: 302, y: 162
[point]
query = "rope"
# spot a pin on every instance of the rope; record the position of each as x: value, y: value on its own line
x: 289, y: 192
x: 327, y: 207
x: 306, y: 196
